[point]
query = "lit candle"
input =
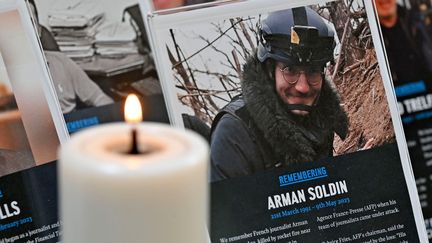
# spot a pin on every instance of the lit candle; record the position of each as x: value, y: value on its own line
x: 110, y: 195
x: 133, y: 115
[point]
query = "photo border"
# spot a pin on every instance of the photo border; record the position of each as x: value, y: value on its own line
x: 395, y: 115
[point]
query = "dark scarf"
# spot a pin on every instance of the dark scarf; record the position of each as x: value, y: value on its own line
x: 292, y: 138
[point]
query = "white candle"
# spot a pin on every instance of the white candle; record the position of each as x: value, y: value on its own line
x: 108, y: 195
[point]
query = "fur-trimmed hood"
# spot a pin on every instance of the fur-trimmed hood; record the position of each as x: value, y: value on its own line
x: 292, y: 138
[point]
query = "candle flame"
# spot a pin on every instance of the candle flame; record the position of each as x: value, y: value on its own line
x: 133, y: 110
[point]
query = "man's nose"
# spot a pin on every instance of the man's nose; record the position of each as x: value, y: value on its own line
x: 302, y: 84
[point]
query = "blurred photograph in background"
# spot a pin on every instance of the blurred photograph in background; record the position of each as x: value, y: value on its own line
x: 97, y: 53
x: 407, y: 35
x: 15, y: 151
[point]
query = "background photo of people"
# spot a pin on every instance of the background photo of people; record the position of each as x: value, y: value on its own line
x: 248, y: 94
x: 97, y: 53
x: 407, y: 34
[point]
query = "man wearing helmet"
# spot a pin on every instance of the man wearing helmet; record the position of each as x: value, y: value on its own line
x: 287, y: 113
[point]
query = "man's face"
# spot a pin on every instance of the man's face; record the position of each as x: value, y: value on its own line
x: 304, y: 91
x: 386, y: 8
x: 164, y: 4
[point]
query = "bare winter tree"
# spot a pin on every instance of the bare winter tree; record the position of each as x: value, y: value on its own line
x: 357, y: 77
x: 205, y: 89
x: 206, y: 102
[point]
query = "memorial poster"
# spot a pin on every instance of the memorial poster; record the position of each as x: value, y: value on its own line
x: 296, y: 102
x: 29, y: 134
x: 406, y: 34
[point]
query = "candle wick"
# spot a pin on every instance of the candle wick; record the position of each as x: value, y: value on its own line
x: 134, y: 148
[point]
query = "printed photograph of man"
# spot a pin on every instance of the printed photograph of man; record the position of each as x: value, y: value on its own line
x: 264, y: 129
x: 97, y: 53
x: 70, y: 81
x: 281, y: 88
x: 407, y: 39
x: 407, y: 33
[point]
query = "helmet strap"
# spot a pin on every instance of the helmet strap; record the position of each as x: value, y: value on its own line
x: 291, y: 107
x: 269, y: 69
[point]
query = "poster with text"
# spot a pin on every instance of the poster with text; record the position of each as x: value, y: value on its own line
x: 296, y: 102
x: 407, y: 35
x: 29, y: 136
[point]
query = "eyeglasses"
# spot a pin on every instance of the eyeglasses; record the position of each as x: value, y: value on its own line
x: 292, y: 74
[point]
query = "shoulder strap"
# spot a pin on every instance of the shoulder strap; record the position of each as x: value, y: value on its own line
x: 232, y: 108
x: 237, y: 109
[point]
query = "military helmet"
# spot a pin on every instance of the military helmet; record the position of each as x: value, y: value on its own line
x: 297, y: 36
